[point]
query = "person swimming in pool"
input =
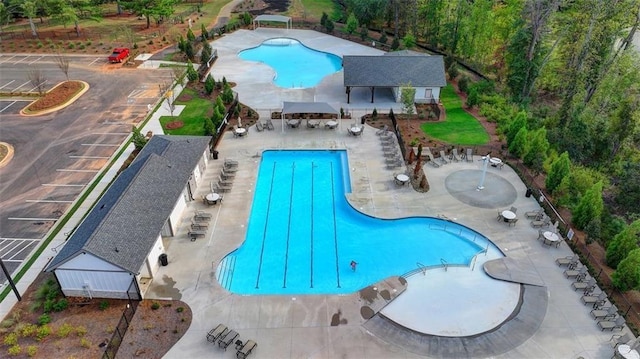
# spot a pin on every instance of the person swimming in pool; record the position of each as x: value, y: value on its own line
x: 353, y: 265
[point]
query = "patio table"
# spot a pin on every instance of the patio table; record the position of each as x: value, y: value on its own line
x: 625, y: 351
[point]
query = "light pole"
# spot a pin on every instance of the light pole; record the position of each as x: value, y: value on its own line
x: 485, y: 160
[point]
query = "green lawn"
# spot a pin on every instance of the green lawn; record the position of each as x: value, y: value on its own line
x: 459, y: 127
x: 193, y: 115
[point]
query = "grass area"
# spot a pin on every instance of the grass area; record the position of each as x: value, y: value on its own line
x: 459, y: 127
x: 193, y: 115
x: 312, y: 9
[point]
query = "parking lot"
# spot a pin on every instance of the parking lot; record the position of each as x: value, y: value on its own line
x: 58, y: 154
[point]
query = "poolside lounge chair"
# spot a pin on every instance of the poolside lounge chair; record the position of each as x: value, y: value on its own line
x: 201, y: 215
x: 432, y: 160
x: 618, y: 323
x: 198, y: 226
x: 587, y: 286
x: 245, y: 349
x: 544, y: 222
x: 534, y: 214
x: 575, y: 273
x: 455, y: 156
x: 618, y: 339
x: 231, y: 336
x: 443, y: 158
x: 224, y: 186
x: 609, y: 312
x: 383, y: 130
x: 228, y: 173
x: 597, y: 301
x: 259, y: 127
x: 193, y: 234
x: 568, y: 261
x: 270, y: 125
x: 215, y: 333
x: 469, y: 155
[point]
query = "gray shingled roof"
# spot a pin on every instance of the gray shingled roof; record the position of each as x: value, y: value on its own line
x: 308, y: 107
x: 393, y: 71
x: 125, y: 223
x: 267, y: 17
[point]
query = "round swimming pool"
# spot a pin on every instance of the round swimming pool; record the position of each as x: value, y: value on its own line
x: 303, y: 233
x: 296, y: 65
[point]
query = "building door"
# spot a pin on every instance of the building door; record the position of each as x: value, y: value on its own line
x: 428, y: 94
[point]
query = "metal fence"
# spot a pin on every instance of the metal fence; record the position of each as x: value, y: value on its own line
x: 121, y: 329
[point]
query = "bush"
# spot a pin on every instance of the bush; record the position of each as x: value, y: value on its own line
x: 44, y: 319
x: 64, y: 330
x: 43, y: 332
x: 81, y: 331
x: 155, y: 305
x: 32, y: 350
x: 383, y: 38
x: 28, y: 330
x: 453, y: 71
x: 209, y: 84
x: 61, y: 305
x: 14, y: 350
x: 48, y: 305
x: 395, y: 44
x: 10, y: 339
x: 85, y: 343
x: 103, y: 305
x: 463, y: 84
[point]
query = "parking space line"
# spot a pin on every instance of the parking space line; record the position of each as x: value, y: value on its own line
x: 45, y: 201
x: 19, y: 239
x: 32, y: 219
x: 91, y: 157
x: 36, y: 60
x: 7, y: 60
x: 35, y: 87
x: 9, y: 105
x: 70, y: 170
x: 111, y: 133
x: 10, y: 82
x: 94, y: 61
x: 19, y: 61
x: 22, y: 250
x: 99, y: 144
x: 9, y: 247
x: 16, y: 89
x: 62, y: 185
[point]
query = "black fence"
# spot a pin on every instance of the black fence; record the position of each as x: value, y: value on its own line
x: 121, y: 329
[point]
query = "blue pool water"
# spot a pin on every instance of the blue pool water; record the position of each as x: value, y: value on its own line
x: 296, y: 65
x: 303, y: 234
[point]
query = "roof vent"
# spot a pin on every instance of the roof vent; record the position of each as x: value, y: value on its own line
x: 117, y: 250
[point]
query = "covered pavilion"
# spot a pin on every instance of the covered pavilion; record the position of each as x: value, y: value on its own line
x: 306, y: 108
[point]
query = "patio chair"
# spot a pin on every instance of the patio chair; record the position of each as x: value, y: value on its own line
x: 269, y: 125
x: 443, y: 158
x: 222, y: 180
x: 568, y: 261
x: 198, y: 226
x: 227, y: 174
x: 618, y: 323
x: 259, y: 127
x: 513, y: 209
x: 545, y: 222
x: 383, y: 130
x: 469, y: 155
x: 195, y: 234
x: 202, y: 214
x: 229, y: 162
x: 587, y: 286
x: 575, y: 273
x: 609, y: 312
x: 217, y: 332
x: 432, y: 160
x: 512, y: 222
x: 394, y: 163
x: 245, y: 349
x: 224, y: 186
x: 597, y: 301
x: 231, y: 336
x: 455, y: 156
x: 534, y: 214
x: 619, y: 339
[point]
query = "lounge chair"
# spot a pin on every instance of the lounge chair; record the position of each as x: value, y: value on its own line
x: 432, y: 160
x: 259, y: 127
x: 245, y: 349
x: 587, y: 286
x: 217, y: 332
x: 383, y: 130
x: 230, y: 162
x: 394, y: 163
x: 455, y: 156
x: 568, y: 261
x: 224, y: 186
x: 534, y: 214
x: 227, y: 174
x: 575, y: 273
x: 270, y: 125
x: 618, y: 323
x: 195, y: 234
x: 199, y: 226
x: 229, y: 338
x: 609, y: 312
x: 597, y: 301
x: 443, y: 158
x: 545, y: 222
x: 469, y: 155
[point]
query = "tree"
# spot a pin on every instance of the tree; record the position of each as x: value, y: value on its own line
x: 227, y: 95
x: 323, y: 19
x: 209, y: 84
x: 622, y: 244
x: 209, y: 127
x: 188, y: 50
x: 156, y: 9
x: 520, y: 145
x: 591, y: 206
x: 192, y: 74
x: 627, y: 275
x: 409, y: 41
x: 560, y: 168
x: 138, y: 139
x: 28, y: 9
x: 628, y: 195
x: 367, y: 11
x: 516, y: 124
x: 62, y: 62
x: 329, y: 26
x: 204, y: 34
x: 407, y: 96
x: 395, y: 44
x: 191, y: 37
x: 352, y: 24
x: 37, y: 79
x: 537, y: 151
x: 364, y: 32
x: 205, y: 54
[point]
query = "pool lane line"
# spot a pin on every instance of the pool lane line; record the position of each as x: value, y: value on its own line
x: 286, y: 253
x: 335, y: 225
x: 313, y: 165
x: 264, y: 233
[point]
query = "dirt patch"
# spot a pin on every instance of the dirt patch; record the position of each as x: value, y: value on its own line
x: 173, y: 125
x: 84, y: 328
x: 58, y: 96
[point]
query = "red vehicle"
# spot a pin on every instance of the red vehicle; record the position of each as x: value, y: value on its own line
x: 119, y: 54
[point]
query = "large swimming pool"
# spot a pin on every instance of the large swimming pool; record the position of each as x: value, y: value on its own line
x: 296, y: 65
x: 303, y: 234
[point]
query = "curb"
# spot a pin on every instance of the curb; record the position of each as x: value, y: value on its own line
x: 9, y: 155
x: 53, y: 109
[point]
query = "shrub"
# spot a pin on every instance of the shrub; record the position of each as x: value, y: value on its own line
x: 44, y: 319
x: 374, y: 114
x: 395, y: 44
x: 103, y: 305
x: 180, y: 309
x: 32, y: 350
x: 190, y: 35
x: 61, y: 305
x: 463, y: 84
x: 70, y: 46
x: 81, y: 331
x: 383, y: 38
x: 43, y: 332
x: 155, y: 305
x: 209, y: 84
x: 14, y: 350
x: 627, y: 275
x: 85, y: 343
x: 28, y: 330
x: 10, y: 339
x: 453, y: 71
x: 150, y: 42
x: 64, y: 330
x: 48, y: 305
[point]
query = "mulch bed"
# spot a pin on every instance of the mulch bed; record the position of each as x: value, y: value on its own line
x: 56, y: 96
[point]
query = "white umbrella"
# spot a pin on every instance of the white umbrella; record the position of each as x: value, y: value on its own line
x: 239, y: 122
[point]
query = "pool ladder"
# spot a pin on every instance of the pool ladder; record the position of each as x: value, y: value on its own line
x: 444, y: 264
x: 226, y: 271
x: 422, y: 268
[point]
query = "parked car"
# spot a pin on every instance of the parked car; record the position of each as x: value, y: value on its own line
x: 119, y: 54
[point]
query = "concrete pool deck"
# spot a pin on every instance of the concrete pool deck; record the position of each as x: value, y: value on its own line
x: 332, y: 326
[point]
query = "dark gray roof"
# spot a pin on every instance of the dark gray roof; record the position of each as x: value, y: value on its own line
x: 308, y: 107
x: 393, y: 71
x: 126, y: 221
x: 405, y: 53
x: 267, y: 17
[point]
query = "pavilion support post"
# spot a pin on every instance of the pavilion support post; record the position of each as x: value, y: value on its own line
x: 348, y: 94
x: 373, y: 91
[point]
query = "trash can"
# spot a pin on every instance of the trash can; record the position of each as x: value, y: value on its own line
x: 529, y: 192
x: 164, y: 260
x: 214, y: 154
x: 363, y: 120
